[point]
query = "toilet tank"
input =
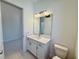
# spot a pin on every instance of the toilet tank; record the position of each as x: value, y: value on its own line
x: 61, y: 51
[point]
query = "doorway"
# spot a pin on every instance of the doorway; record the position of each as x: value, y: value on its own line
x: 12, y: 25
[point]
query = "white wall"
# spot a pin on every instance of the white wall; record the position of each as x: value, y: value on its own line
x: 64, y: 21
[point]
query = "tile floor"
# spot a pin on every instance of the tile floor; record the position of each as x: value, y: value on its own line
x: 19, y: 55
x: 13, y: 50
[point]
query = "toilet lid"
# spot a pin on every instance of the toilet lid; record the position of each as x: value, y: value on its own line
x: 56, y: 57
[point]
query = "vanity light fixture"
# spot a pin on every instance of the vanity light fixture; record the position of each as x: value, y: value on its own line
x: 46, y: 13
x: 37, y: 15
x: 43, y: 14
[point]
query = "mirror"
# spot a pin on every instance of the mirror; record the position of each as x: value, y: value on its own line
x: 42, y: 23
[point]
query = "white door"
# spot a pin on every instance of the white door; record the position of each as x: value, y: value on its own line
x: 1, y: 37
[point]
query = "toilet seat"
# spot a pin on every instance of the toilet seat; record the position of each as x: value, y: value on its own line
x: 56, y: 57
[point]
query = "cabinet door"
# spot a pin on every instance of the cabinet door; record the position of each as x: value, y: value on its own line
x: 32, y: 46
x: 40, y: 52
x: 28, y: 44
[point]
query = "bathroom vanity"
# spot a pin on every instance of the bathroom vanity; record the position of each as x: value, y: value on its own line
x: 38, y: 46
x: 38, y: 43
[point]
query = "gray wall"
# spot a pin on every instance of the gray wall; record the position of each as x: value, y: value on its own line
x: 64, y: 22
x: 11, y: 22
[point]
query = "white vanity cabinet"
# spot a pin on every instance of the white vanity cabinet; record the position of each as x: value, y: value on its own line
x: 31, y: 46
x: 38, y: 49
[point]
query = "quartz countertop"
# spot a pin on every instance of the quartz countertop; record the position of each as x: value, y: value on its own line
x: 40, y: 39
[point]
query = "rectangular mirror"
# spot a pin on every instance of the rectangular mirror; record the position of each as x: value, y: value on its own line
x: 42, y: 24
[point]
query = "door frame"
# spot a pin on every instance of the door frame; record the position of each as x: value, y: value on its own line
x: 5, y: 1
x: 1, y: 39
x: 1, y: 17
x: 18, y: 8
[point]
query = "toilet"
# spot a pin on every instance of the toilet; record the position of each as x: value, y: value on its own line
x: 60, y: 51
